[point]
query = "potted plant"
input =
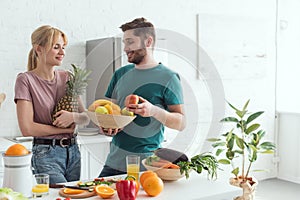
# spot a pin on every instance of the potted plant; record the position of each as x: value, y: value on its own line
x: 240, y: 147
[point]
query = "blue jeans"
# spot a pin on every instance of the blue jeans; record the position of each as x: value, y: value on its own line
x: 61, y: 163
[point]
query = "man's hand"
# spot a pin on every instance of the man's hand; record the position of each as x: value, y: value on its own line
x: 144, y: 109
x: 109, y: 131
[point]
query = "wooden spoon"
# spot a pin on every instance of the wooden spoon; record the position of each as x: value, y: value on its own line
x: 2, y: 98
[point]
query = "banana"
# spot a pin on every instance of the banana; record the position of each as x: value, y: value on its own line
x: 109, y: 108
x: 115, y: 109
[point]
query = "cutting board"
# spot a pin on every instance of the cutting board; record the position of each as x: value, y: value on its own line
x: 85, y: 194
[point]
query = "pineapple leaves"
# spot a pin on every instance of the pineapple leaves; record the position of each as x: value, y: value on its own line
x: 75, y: 86
x: 78, y: 80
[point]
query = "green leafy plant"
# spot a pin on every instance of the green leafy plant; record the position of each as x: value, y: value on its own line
x: 244, y: 141
x: 198, y: 163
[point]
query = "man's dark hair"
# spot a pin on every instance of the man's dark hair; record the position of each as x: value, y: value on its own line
x: 141, y: 28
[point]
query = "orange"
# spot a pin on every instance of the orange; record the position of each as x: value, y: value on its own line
x: 16, y: 150
x: 153, y: 185
x: 145, y: 175
x: 104, y: 191
x: 73, y: 191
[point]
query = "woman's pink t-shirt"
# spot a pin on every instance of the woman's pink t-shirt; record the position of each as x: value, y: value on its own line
x: 43, y: 94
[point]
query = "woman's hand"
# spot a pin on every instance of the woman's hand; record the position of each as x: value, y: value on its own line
x: 63, y: 119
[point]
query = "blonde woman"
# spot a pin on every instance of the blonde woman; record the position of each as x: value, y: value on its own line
x: 37, y: 91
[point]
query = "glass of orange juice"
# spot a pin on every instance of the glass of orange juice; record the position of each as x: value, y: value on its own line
x: 133, y: 166
x: 40, y: 186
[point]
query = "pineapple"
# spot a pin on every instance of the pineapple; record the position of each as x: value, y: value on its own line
x: 75, y: 86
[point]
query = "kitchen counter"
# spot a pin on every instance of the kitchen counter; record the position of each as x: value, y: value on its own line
x: 196, y: 187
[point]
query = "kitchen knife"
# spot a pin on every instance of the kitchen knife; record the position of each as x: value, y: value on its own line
x: 90, y: 189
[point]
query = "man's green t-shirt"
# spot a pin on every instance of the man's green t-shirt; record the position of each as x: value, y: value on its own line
x: 158, y: 85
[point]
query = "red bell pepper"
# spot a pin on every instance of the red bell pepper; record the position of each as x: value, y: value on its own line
x: 126, y: 189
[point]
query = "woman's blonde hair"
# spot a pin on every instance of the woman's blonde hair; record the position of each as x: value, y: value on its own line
x: 45, y: 36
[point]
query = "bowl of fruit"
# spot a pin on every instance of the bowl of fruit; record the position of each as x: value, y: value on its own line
x: 172, y: 165
x: 164, y: 170
x: 107, y: 114
x: 164, y: 164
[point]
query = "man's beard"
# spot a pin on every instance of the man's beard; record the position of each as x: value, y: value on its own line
x: 138, y: 56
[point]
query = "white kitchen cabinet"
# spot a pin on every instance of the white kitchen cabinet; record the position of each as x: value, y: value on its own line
x: 94, y: 150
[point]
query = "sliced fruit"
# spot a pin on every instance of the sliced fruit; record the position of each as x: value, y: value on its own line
x: 104, y: 191
x: 73, y: 191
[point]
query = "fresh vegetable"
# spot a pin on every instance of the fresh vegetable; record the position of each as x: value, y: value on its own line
x: 155, y: 161
x: 198, y: 163
x: 171, y: 155
x: 126, y: 189
x: 9, y: 194
x: 96, y: 181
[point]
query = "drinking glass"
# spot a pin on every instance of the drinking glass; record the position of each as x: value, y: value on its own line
x: 40, y: 186
x: 133, y: 166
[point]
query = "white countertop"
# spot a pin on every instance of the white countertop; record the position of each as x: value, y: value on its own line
x: 196, y: 187
x: 82, y: 139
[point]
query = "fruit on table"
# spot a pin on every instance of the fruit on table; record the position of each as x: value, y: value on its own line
x: 73, y: 191
x: 145, y: 175
x: 104, y: 191
x: 126, y: 112
x: 76, y: 85
x: 153, y: 185
x: 112, y: 107
x: 131, y: 99
x: 101, y: 110
x: 16, y: 150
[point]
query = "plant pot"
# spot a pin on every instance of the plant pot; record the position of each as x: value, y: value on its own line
x: 248, y: 187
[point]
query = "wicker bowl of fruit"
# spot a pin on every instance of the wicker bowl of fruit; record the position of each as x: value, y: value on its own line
x: 171, y: 165
x: 107, y: 114
x: 167, y: 171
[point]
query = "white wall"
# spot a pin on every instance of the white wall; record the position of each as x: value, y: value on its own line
x: 288, y: 97
x: 244, y: 74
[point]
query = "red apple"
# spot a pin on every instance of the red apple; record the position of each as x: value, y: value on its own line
x: 131, y: 99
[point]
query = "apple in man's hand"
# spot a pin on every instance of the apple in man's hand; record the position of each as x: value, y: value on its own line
x: 131, y: 99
